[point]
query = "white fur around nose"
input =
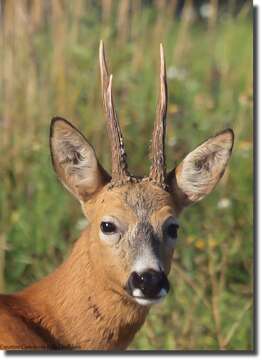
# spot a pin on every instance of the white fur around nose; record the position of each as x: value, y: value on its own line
x: 137, y: 293
x: 145, y: 261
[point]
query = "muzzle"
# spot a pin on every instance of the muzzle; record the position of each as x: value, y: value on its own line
x: 149, y: 287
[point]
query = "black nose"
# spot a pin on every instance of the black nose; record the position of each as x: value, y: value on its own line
x: 150, y: 283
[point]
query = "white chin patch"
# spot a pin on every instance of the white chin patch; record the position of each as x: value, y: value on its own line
x: 141, y: 300
x: 147, y: 302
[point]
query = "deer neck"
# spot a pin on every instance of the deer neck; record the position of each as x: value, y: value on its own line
x: 79, y: 309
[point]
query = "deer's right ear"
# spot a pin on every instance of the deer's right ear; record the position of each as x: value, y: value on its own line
x: 74, y: 160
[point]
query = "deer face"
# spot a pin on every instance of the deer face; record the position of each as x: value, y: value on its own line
x: 136, y: 232
x: 133, y: 221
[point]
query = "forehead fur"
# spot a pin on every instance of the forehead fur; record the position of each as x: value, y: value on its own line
x: 139, y: 200
x: 145, y: 199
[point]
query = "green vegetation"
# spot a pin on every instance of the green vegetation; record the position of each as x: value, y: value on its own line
x: 49, y: 61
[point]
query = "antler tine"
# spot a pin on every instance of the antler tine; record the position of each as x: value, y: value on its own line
x: 119, y: 163
x: 103, y: 71
x: 158, y: 167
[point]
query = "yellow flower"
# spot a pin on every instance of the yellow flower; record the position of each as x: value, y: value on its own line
x: 200, y: 244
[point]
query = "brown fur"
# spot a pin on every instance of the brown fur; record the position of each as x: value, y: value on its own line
x: 83, y: 304
x: 71, y: 308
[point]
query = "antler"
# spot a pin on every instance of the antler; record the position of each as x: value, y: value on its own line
x: 119, y: 164
x: 158, y: 167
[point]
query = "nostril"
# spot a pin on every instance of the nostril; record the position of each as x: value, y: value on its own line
x: 136, y: 280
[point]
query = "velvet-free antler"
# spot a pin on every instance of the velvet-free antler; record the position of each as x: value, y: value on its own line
x: 158, y: 167
x: 120, y: 172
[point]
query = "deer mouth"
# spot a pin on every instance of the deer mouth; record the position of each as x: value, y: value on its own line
x: 138, y: 296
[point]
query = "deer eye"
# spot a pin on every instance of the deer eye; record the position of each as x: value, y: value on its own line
x: 108, y: 227
x: 172, y: 230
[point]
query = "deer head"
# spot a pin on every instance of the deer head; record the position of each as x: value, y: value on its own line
x: 133, y: 222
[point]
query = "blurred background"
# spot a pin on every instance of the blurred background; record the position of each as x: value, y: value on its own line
x: 49, y: 66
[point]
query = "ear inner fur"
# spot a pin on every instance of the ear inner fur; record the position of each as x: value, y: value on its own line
x: 74, y: 160
x: 197, y: 175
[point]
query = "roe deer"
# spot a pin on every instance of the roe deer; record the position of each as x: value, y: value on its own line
x: 100, y: 296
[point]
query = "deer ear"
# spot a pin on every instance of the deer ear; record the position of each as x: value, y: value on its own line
x: 197, y: 175
x: 74, y: 160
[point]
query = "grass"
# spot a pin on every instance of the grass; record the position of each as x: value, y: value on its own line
x: 49, y: 62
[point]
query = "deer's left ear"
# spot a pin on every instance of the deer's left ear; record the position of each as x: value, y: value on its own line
x: 197, y: 175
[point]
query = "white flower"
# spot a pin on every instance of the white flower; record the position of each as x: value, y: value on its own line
x: 224, y: 203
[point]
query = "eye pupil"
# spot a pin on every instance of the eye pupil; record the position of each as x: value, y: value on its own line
x: 172, y: 230
x: 107, y: 227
